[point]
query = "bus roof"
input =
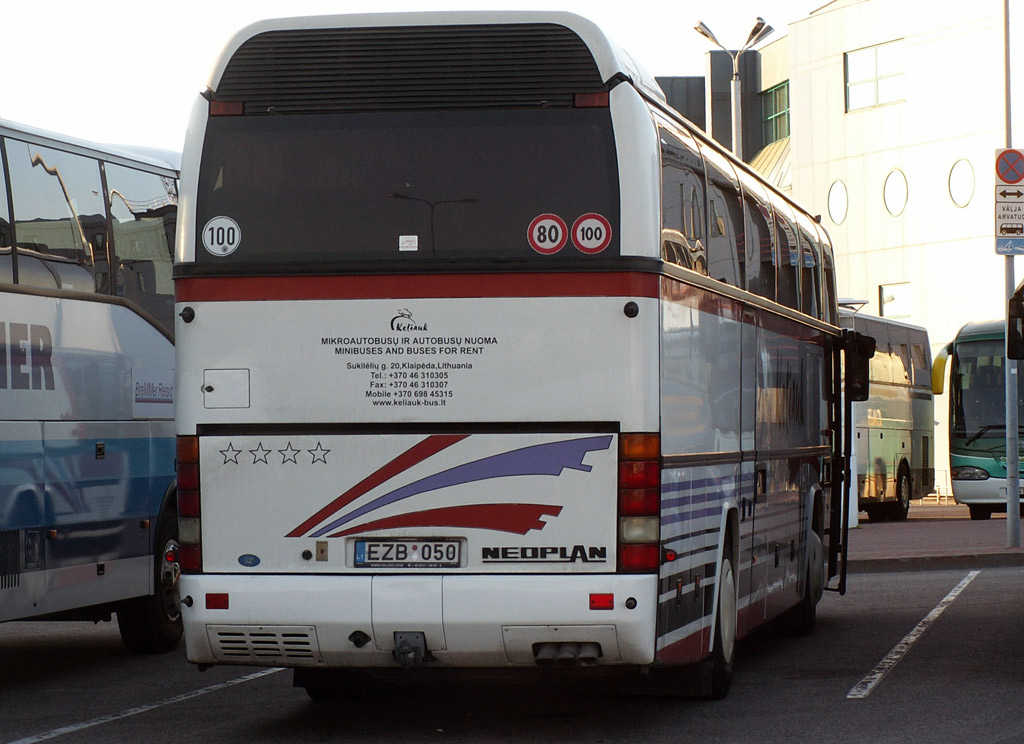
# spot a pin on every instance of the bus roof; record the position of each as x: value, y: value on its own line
x: 611, y: 60
x: 128, y: 155
x: 982, y: 329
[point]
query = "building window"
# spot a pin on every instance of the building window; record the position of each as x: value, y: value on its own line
x: 894, y: 300
x: 775, y: 114
x: 874, y: 76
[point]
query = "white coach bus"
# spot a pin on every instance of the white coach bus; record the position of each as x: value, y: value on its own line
x: 488, y: 358
x: 87, y: 500
x: 895, y: 426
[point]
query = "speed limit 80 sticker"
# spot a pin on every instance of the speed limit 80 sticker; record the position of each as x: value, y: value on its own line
x: 547, y: 234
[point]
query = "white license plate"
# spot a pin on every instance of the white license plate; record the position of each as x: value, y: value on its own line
x: 408, y: 553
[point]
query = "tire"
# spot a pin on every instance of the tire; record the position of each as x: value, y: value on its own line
x: 801, y: 618
x: 152, y: 624
x: 980, y: 511
x: 723, y: 654
x: 904, y: 490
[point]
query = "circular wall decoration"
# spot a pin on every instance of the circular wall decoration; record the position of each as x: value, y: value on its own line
x: 894, y: 192
x: 838, y: 202
x: 961, y: 183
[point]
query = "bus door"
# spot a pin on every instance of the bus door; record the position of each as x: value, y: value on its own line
x: 753, y: 543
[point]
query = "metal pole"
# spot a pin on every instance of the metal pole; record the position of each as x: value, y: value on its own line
x: 737, y: 111
x: 1012, y: 458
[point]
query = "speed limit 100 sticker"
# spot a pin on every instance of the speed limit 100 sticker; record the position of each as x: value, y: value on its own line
x: 547, y: 234
x: 221, y: 236
x: 592, y: 233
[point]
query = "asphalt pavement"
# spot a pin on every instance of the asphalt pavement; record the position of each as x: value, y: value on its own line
x: 933, y: 536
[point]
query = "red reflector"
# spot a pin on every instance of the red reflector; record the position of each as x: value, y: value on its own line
x: 639, y: 558
x: 187, y: 450
x: 639, y: 502
x: 188, y: 503
x: 171, y: 556
x: 227, y: 108
x: 591, y: 100
x: 190, y: 558
x: 188, y: 477
x: 602, y: 601
x: 640, y: 474
x: 216, y: 601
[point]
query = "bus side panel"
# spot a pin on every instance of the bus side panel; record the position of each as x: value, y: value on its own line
x: 703, y: 393
x: 80, y: 482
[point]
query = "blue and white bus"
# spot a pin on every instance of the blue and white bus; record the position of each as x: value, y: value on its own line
x: 487, y: 358
x: 87, y: 498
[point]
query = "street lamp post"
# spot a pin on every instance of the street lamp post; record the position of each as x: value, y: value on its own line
x: 757, y: 33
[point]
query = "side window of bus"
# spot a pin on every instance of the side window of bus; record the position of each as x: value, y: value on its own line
x: 144, y: 209
x: 828, y: 281
x: 810, y: 274
x: 6, y: 269
x: 880, y: 369
x: 681, y: 204
x: 787, y: 261
x: 758, y: 220
x: 59, y: 217
x: 725, y: 219
x: 899, y: 344
x: 921, y: 359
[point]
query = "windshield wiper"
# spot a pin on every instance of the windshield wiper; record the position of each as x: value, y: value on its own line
x: 988, y: 427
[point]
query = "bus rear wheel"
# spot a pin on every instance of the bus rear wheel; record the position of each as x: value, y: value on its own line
x: 901, y: 507
x: 152, y: 624
x: 719, y: 668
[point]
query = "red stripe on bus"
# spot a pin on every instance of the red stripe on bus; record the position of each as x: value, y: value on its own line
x: 414, y: 455
x: 402, y: 286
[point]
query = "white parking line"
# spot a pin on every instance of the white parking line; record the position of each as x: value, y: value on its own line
x: 863, y: 688
x: 142, y: 708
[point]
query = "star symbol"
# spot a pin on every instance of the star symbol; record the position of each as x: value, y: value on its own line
x: 259, y: 454
x: 289, y: 453
x: 319, y: 454
x: 230, y: 454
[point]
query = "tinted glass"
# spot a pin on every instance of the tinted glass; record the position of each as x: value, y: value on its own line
x: 59, y: 215
x: 758, y: 246
x: 143, y: 207
x: 6, y: 275
x: 405, y: 187
x: 682, y: 183
x: 725, y: 220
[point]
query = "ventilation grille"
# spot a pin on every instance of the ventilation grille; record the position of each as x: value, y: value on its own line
x: 10, y: 566
x: 265, y: 644
x: 349, y: 70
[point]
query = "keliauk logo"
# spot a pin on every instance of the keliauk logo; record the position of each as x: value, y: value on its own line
x: 404, y: 322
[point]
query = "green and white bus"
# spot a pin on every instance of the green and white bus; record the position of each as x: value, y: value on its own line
x: 977, y: 415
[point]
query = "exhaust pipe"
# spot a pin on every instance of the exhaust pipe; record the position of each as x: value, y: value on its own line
x: 589, y: 654
x: 567, y: 654
x: 545, y: 654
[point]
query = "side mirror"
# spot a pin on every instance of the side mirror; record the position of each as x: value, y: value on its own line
x: 1015, y: 327
x: 859, y: 350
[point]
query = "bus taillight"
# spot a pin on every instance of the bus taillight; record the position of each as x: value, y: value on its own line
x: 190, y: 553
x: 227, y: 108
x: 639, y: 511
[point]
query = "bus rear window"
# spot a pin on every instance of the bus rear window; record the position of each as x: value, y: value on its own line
x: 407, y: 187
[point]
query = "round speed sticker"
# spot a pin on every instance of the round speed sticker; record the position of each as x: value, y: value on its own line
x: 221, y: 236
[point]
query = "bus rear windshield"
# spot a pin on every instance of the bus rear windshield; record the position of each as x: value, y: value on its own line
x: 408, y: 187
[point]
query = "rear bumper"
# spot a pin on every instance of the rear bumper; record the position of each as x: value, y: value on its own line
x: 467, y: 621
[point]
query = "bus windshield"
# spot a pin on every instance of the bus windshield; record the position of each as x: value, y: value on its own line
x: 403, y: 186
x: 979, y: 403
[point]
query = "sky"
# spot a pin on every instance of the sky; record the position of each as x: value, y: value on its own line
x: 128, y: 73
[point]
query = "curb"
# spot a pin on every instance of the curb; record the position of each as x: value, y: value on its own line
x: 936, y: 562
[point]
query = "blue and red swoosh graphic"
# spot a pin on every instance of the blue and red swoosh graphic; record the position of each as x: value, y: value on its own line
x: 548, y: 459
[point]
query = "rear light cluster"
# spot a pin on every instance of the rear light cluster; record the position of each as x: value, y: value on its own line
x: 639, y: 503
x: 190, y: 552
